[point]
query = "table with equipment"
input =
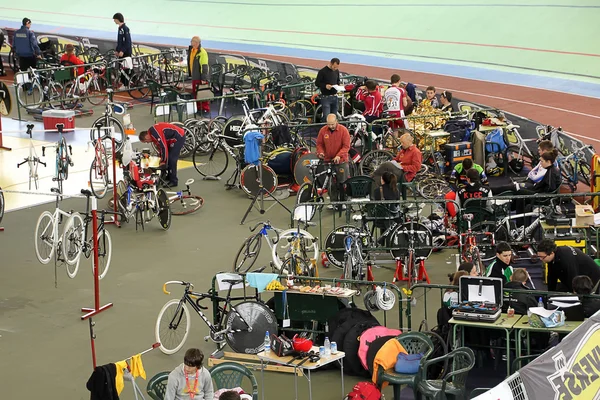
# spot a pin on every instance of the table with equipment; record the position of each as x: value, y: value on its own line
x: 304, y: 364
x: 522, y: 329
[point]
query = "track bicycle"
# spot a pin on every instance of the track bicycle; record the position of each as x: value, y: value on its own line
x: 418, y: 241
x: 76, y: 241
x: 184, y: 202
x: 355, y: 265
x: 520, y: 155
x: 469, y: 245
x: 38, y: 88
x: 63, y: 158
x: 99, y: 170
x: 107, y: 120
x: 574, y: 168
x: 250, y: 249
x: 48, y: 239
x: 242, y: 326
x: 90, y: 85
x: 297, y: 250
x: 134, y: 82
x: 32, y: 160
x: 320, y: 184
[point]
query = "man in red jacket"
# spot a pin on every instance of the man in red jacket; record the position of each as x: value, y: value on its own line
x: 168, y: 139
x: 405, y: 165
x: 333, y: 144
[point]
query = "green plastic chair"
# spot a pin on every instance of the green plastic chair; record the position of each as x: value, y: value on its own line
x: 413, y: 343
x: 229, y: 375
x: 358, y: 187
x: 157, y: 386
x: 461, y: 361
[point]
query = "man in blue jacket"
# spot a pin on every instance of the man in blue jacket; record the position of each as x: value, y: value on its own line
x: 123, y: 43
x: 26, y: 46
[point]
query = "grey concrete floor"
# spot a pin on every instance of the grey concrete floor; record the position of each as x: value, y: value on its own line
x: 40, y: 327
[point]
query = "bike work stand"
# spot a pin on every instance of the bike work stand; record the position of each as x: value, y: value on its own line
x: 261, y: 195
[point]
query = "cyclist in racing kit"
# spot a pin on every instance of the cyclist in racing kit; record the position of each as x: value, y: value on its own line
x: 169, y: 140
x: 395, y: 99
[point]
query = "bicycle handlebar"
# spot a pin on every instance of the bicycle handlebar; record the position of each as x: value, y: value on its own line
x: 165, y: 291
x: 260, y: 223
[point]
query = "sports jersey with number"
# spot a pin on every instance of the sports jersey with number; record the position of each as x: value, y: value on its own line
x: 394, y: 98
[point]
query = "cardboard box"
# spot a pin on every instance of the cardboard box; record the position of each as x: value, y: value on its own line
x: 584, y: 214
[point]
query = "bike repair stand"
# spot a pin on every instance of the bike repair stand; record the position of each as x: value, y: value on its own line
x: 90, y: 312
x: 399, y: 273
x: 261, y: 194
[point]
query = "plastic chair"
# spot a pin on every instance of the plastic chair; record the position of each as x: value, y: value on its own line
x: 462, y: 360
x: 358, y: 188
x: 229, y: 375
x: 437, y: 340
x: 413, y: 343
x: 157, y: 386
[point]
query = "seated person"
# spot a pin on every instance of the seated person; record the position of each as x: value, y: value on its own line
x: 446, y: 100
x: 69, y: 58
x: 469, y: 268
x: 431, y: 100
x: 520, y: 302
x: 451, y: 296
x: 500, y: 266
x: 190, y: 379
x: 405, y: 165
x: 460, y: 170
x: 537, y: 173
x: 474, y: 189
x: 583, y: 285
x: 230, y: 395
x: 549, y: 183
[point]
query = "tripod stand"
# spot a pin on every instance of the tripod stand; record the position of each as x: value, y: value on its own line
x: 261, y: 194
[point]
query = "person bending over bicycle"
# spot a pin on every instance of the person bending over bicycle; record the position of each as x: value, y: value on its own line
x: 333, y: 143
x: 168, y: 139
x: 458, y: 176
x: 190, y: 379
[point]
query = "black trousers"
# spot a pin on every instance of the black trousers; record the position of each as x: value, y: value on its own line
x: 172, y: 161
x: 27, y: 62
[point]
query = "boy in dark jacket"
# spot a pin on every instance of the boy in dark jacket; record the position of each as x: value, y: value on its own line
x: 519, y: 301
x: 500, y: 266
x: 123, y: 44
x: 582, y: 285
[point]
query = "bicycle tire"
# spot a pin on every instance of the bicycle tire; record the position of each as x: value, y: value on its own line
x: 163, y: 210
x: 104, y: 254
x: 30, y: 100
x: 309, y: 248
x: 302, y: 267
x: 44, y: 229
x: 136, y: 87
x: 100, y: 189
x: 205, y: 163
x: 63, y: 159
x: 93, y: 55
x: 255, y: 315
x: 372, y: 160
x: 334, y: 245
x: 161, y: 335
x: 249, y: 250
x: 190, y: 140
x: 584, y: 171
x: 73, y: 242
x: 13, y: 61
x: 107, y: 122
x: 200, y: 130
x: 54, y: 95
x: 567, y: 171
x: 189, y: 203
x: 433, y: 188
x: 234, y: 130
x: 486, y: 243
x: 249, y: 179
x: 305, y: 195
x: 97, y: 90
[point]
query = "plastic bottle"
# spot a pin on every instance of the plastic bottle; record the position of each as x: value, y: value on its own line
x: 540, y: 302
x: 327, y: 345
x: 267, y: 343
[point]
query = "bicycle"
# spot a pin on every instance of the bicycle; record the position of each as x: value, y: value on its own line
x: 76, y: 243
x: 573, y: 167
x: 469, y: 246
x: 47, y: 238
x: 35, y: 90
x: 107, y: 120
x: 520, y: 155
x: 134, y: 82
x: 354, y: 262
x: 184, y: 199
x: 32, y: 160
x: 296, y: 250
x: 243, y: 326
x: 63, y: 159
x: 250, y: 249
x: 99, y: 170
x: 320, y: 184
x: 90, y: 85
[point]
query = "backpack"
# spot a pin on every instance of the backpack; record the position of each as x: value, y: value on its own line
x: 364, y: 391
x: 459, y: 129
x: 494, y: 141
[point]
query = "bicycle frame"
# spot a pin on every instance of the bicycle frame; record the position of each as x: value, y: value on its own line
x: 33, y: 160
x: 512, y: 233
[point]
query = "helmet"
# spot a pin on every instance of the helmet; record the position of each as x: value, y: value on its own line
x: 516, y: 165
x: 495, y: 171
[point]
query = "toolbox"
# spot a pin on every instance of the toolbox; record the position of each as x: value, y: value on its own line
x: 53, y: 117
x: 480, y: 299
x: 456, y: 152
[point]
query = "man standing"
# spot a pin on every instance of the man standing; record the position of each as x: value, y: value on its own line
x: 333, y: 144
x: 565, y: 263
x: 328, y: 76
x: 26, y: 46
x: 198, y: 70
x: 123, y: 45
x: 396, y: 100
x: 169, y: 140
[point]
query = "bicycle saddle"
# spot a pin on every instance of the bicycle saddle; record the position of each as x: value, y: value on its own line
x: 232, y: 281
x: 55, y: 190
x: 243, y: 98
x: 189, y: 182
x: 468, y: 217
x: 86, y: 192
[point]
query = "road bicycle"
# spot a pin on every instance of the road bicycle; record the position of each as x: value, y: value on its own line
x: 76, y: 241
x: 520, y: 155
x: 99, y: 170
x: 107, y: 120
x: 250, y: 249
x: 35, y: 89
x: 90, y: 85
x: 470, y: 243
x: 48, y: 239
x: 574, y: 168
x: 320, y: 184
x: 32, y: 160
x: 184, y: 202
x: 63, y: 158
x: 242, y: 326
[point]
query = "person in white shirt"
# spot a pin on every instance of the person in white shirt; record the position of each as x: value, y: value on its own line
x: 538, y: 172
x: 395, y: 98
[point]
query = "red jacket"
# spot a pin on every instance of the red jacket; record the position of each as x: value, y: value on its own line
x: 72, y: 59
x: 372, y: 100
x: 410, y: 159
x: 164, y: 135
x: 332, y: 144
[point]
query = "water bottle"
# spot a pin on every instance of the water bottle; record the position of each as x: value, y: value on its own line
x: 540, y: 302
x: 267, y: 343
x: 327, y: 347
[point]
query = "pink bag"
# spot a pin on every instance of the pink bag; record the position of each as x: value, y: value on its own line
x: 369, y: 336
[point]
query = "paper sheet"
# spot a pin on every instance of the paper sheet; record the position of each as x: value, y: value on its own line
x: 564, y: 305
x: 487, y: 293
x: 541, y: 311
x: 339, y: 88
x: 564, y: 298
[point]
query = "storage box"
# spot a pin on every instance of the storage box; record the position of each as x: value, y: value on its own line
x: 53, y: 117
x: 457, y: 152
x: 584, y: 214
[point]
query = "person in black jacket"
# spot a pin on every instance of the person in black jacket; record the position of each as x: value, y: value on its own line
x: 549, y: 183
x: 500, y: 266
x: 26, y: 46
x: 582, y: 285
x: 123, y: 44
x: 328, y: 76
x: 520, y: 302
x: 565, y: 263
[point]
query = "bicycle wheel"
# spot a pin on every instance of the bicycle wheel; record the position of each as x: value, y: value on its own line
x: 30, y: 95
x: 297, y: 266
x: 110, y: 122
x: 54, y: 95
x: 372, y: 160
x: 291, y: 243
x: 200, y: 130
x: 213, y: 163
x: 104, y: 253
x: 63, y: 159
x: 433, y: 188
x: 185, y: 204
x: 190, y: 140
x: 486, y: 242
x: 97, y: 90
x: 172, y: 326
x: 250, y: 182
x: 335, y: 248
x: 163, y: 210
x: 45, y: 242
x: 567, y: 170
x: 137, y: 87
x: 234, y: 130
x: 584, y: 172
x: 72, y: 242
x: 99, y: 178
x: 247, y: 254
x: 240, y: 318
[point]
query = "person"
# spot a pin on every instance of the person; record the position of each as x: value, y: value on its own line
x: 230, y: 395
x: 537, y: 173
x: 396, y: 101
x: 469, y: 268
x: 405, y: 165
x: 190, y: 380
x: 431, y: 99
x: 387, y: 191
x: 520, y: 302
x: 123, y: 44
x: 549, y: 183
x: 369, y: 94
x: 333, y: 144
x: 69, y: 58
x: 2, y: 39
x: 168, y: 139
x: 446, y: 100
x: 26, y: 46
x: 500, y: 266
x: 583, y: 285
x: 197, y: 61
x: 565, y: 263
x: 458, y: 175
x: 474, y: 189
x: 327, y: 77
x: 450, y: 297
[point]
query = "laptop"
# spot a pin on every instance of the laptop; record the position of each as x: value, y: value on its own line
x: 480, y: 299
